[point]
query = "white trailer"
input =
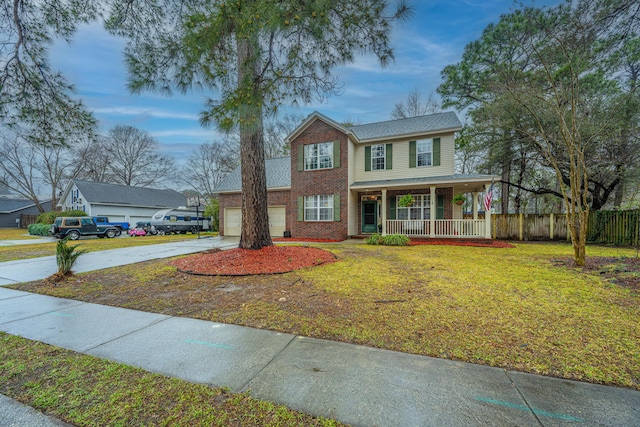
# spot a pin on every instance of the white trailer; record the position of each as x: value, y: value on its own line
x: 180, y: 220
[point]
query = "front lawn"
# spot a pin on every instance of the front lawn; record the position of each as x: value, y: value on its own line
x: 91, y: 244
x: 524, y: 308
x: 88, y: 391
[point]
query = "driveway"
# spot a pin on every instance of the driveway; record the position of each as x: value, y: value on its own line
x: 27, y: 270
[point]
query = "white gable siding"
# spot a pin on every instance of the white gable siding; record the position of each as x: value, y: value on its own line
x: 400, y: 163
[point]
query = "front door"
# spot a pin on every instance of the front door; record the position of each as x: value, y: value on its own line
x: 370, y: 217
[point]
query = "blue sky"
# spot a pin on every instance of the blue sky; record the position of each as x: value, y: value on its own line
x: 434, y: 37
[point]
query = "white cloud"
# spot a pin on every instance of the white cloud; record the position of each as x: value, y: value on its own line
x: 144, y: 111
x: 188, y: 132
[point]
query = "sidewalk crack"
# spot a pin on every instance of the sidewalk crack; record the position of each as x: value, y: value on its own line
x: 244, y: 386
x: 524, y: 399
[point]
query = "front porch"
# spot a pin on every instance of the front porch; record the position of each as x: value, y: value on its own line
x: 450, y: 228
x: 431, y: 211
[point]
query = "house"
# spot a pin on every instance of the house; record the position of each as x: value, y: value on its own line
x: 343, y: 181
x: 11, y: 209
x: 118, y: 202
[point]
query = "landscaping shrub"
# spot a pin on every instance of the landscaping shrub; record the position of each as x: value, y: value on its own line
x: 39, y: 229
x: 388, y: 240
x: 396, y: 240
x: 374, y: 239
x: 66, y: 256
x: 49, y: 217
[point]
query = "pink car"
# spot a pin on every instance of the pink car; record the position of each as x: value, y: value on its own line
x: 133, y: 232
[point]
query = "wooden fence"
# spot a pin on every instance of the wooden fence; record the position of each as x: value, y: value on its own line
x: 27, y: 219
x: 607, y: 227
x: 614, y: 227
x: 529, y: 227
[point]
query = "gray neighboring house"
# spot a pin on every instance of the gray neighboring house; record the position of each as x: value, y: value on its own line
x: 12, y: 207
x: 118, y: 202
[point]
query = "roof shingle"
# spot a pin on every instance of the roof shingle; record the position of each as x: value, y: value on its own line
x: 411, y: 126
x: 278, y: 172
x: 100, y: 192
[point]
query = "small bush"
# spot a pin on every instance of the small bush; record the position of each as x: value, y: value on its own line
x: 396, y: 240
x: 388, y: 240
x: 374, y: 239
x: 49, y: 217
x: 39, y: 229
x: 66, y: 256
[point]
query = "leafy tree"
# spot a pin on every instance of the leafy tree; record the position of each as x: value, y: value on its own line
x: 414, y: 106
x: 33, y: 96
x: 258, y: 54
x: 542, y: 77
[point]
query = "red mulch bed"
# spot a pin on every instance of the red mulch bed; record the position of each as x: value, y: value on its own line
x: 291, y: 239
x: 462, y: 242
x: 243, y: 262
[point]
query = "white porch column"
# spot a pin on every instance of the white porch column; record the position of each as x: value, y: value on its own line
x: 475, y: 205
x: 487, y: 223
x: 432, y: 212
x: 384, y: 211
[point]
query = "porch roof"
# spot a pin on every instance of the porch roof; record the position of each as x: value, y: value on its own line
x: 462, y: 182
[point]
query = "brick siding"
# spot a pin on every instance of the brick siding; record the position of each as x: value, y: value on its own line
x: 320, y: 182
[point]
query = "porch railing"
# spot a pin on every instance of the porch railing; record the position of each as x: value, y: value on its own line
x: 456, y: 228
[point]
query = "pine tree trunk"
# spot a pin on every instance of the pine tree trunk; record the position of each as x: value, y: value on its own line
x: 255, y: 222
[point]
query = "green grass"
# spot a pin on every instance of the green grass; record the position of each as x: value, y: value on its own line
x: 90, y: 244
x: 503, y: 307
x: 87, y: 391
x: 511, y: 308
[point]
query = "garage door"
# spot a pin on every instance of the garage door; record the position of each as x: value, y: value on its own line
x: 233, y: 221
x: 277, y: 220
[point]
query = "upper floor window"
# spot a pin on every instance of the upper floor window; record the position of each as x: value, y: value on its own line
x: 318, y: 208
x: 424, y: 152
x: 378, y: 157
x: 318, y: 156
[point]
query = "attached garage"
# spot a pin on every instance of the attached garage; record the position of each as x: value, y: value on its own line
x: 233, y: 221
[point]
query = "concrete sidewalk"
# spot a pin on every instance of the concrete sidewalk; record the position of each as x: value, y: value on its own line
x: 27, y: 270
x: 31, y: 241
x: 357, y: 385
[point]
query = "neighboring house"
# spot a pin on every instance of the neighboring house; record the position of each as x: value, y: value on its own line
x: 118, y: 202
x: 348, y: 181
x: 11, y: 208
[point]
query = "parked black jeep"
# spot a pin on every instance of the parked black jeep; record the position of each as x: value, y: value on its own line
x: 74, y: 227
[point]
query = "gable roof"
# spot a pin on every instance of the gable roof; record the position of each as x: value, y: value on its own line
x: 278, y: 172
x: 115, y: 194
x: 10, y: 204
x: 413, y: 126
x: 447, y: 121
x: 310, y: 120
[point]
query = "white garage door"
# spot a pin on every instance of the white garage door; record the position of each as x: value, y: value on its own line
x: 233, y: 221
x: 277, y: 220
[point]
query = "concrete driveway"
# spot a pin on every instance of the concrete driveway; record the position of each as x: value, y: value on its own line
x: 27, y: 270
